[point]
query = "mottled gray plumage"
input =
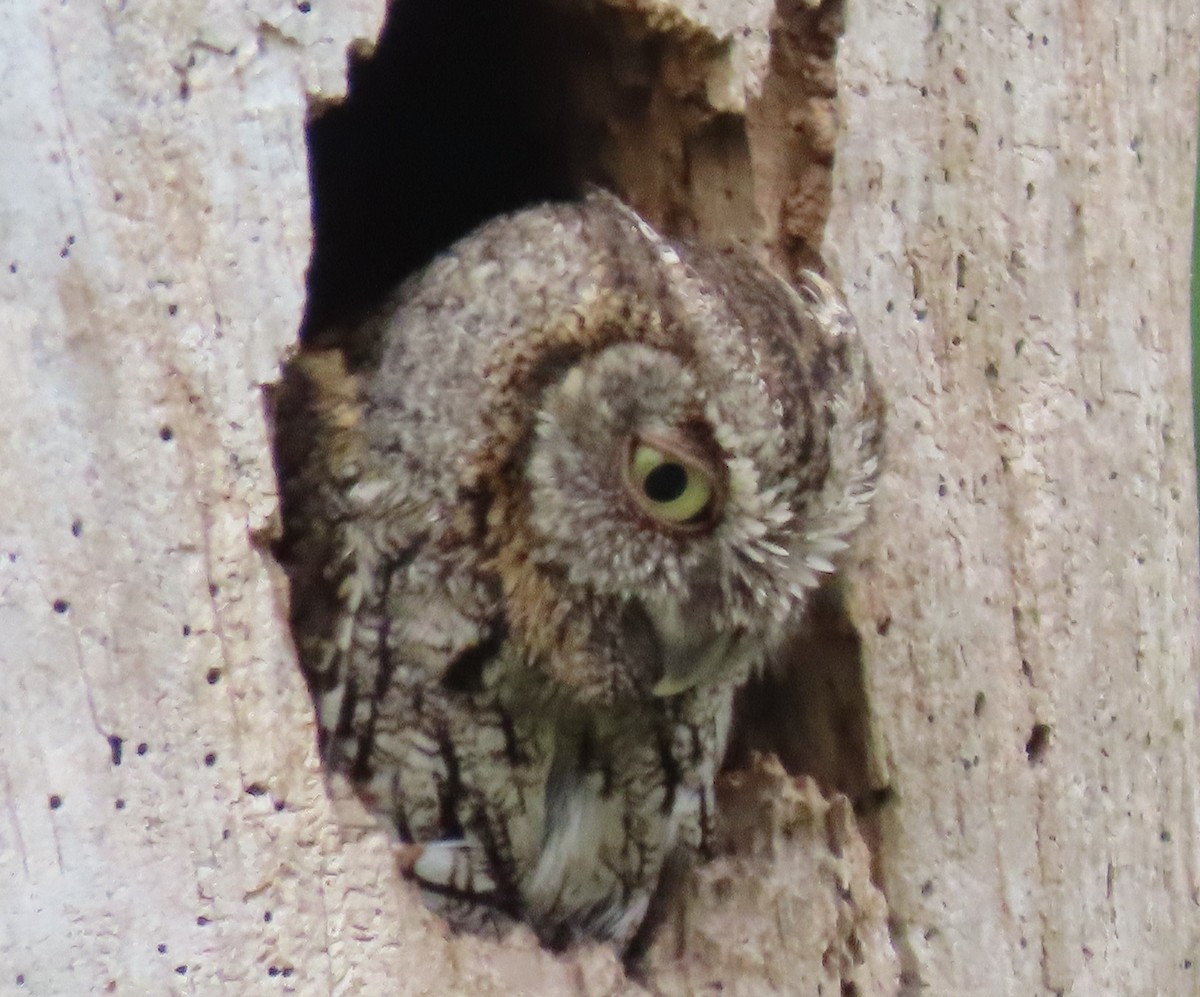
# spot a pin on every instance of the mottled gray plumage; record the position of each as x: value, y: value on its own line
x: 581, y: 493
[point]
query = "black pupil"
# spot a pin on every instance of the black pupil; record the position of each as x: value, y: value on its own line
x: 666, y: 482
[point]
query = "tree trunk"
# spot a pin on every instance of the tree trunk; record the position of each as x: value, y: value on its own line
x: 1012, y: 215
x: 1008, y: 697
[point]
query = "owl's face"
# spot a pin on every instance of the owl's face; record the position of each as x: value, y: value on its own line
x: 654, y: 498
x: 684, y: 458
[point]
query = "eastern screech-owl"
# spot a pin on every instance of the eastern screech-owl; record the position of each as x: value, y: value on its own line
x: 537, y: 542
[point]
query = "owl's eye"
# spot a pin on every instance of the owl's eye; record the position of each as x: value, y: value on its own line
x: 669, y: 486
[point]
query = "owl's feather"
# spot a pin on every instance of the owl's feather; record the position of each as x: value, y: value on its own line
x: 528, y: 674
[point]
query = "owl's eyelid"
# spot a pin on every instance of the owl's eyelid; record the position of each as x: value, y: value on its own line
x: 685, y: 448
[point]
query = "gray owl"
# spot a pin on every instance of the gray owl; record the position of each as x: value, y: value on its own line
x: 577, y: 495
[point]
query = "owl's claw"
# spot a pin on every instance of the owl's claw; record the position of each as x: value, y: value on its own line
x: 444, y: 865
x: 406, y: 856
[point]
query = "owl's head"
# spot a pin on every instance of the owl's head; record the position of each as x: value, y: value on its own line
x: 690, y: 442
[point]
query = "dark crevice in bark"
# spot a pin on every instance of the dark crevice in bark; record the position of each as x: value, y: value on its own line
x: 810, y: 708
x: 456, y: 115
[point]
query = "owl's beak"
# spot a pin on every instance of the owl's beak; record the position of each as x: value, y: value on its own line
x: 690, y: 663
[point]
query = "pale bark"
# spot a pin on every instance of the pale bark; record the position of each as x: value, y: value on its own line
x: 1012, y: 218
x: 1008, y: 207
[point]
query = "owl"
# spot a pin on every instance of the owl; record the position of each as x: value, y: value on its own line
x: 577, y: 494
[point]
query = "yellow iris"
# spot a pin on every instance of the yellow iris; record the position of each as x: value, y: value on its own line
x: 668, y: 487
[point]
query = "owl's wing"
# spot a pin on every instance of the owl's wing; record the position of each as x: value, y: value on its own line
x: 412, y: 629
x: 319, y: 449
x: 413, y: 720
x: 370, y: 598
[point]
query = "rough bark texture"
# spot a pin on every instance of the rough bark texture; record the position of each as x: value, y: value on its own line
x: 1004, y: 192
x: 1011, y: 213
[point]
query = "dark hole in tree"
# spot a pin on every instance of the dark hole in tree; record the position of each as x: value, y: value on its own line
x: 1039, y: 741
x: 457, y: 115
x: 469, y: 108
x: 811, y: 711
